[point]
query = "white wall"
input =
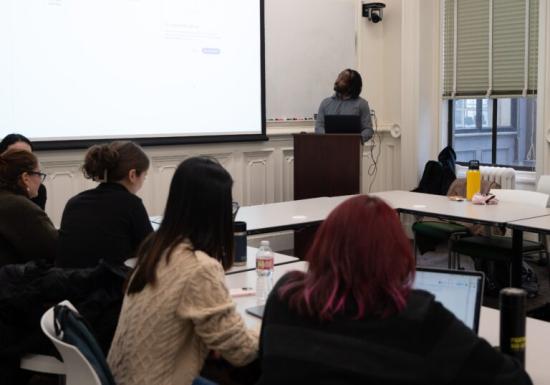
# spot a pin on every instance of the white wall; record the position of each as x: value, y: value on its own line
x: 399, y: 58
x: 262, y: 171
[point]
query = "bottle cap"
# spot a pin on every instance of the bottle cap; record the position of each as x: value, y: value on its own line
x: 473, y: 165
x: 239, y: 227
x: 264, y: 243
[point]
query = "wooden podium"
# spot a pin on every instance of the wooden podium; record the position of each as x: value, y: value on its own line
x: 324, y: 165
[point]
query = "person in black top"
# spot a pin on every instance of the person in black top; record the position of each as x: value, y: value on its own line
x: 20, y: 142
x: 353, y: 318
x: 110, y: 221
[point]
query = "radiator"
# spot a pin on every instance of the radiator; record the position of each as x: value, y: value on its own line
x: 504, y: 176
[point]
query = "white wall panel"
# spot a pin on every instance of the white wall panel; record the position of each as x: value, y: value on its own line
x: 263, y: 172
x: 288, y: 174
x: 258, y: 178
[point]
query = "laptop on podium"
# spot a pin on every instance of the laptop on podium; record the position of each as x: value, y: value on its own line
x: 342, y: 124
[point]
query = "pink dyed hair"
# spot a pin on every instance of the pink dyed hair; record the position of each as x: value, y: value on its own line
x: 360, y: 257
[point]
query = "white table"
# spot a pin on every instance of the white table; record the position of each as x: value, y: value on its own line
x: 538, y: 343
x: 279, y: 259
x: 248, y: 280
x: 272, y: 217
x: 442, y: 207
x: 535, y: 225
x: 289, y: 215
x: 538, y: 332
x: 298, y: 214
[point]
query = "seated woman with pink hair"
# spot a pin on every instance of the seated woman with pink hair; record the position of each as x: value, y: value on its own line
x: 353, y: 317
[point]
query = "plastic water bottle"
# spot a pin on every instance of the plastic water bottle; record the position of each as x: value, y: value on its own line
x: 264, y: 269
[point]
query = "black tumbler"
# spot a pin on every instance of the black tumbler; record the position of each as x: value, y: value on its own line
x: 512, y: 322
x: 239, y: 232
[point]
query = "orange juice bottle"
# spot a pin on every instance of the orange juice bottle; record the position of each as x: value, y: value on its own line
x: 473, y: 179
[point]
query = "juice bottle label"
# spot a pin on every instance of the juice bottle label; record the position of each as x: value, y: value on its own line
x: 264, y: 263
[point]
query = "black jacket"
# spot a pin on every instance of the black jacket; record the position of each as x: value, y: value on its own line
x: 107, y: 222
x: 26, y: 232
x: 438, y: 175
x: 27, y: 291
x: 40, y: 199
x: 424, y: 344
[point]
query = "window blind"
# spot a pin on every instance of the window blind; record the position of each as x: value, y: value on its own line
x: 490, y: 48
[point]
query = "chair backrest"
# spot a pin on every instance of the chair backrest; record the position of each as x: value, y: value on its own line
x: 543, y: 185
x: 79, y: 370
x: 522, y: 196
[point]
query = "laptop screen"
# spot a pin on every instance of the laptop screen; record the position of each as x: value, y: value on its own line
x: 342, y: 124
x: 459, y: 291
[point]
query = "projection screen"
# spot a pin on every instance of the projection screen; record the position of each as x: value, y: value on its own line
x: 73, y: 72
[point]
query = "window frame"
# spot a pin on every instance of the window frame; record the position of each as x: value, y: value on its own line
x: 493, y: 130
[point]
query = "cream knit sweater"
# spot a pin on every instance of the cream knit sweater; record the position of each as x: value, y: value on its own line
x: 165, y: 332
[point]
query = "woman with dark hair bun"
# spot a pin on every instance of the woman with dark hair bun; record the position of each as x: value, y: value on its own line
x: 110, y: 221
x: 20, y: 142
x: 353, y: 317
x: 177, y: 307
x: 26, y: 232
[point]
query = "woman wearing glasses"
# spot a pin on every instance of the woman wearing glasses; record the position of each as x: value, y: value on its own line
x: 177, y: 307
x: 20, y: 142
x: 110, y: 221
x: 26, y: 232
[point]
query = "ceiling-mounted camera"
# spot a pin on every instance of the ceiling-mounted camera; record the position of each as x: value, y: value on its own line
x: 373, y: 11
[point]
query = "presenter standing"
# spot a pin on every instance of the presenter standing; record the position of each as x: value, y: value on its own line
x: 346, y: 101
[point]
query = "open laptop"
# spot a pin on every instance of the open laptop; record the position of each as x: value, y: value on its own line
x: 459, y: 291
x: 342, y: 124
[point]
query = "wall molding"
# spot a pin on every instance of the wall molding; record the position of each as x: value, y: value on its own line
x: 263, y: 172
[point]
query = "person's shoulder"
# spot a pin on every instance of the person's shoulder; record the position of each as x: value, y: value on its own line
x: 80, y: 198
x: 118, y: 194
x: 289, y: 277
x: 420, y: 304
x: 207, y: 263
x: 275, y: 297
x: 423, y: 309
x: 362, y: 102
x: 327, y: 100
x: 11, y: 201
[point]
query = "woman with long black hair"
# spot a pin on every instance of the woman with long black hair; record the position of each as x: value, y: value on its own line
x: 177, y: 307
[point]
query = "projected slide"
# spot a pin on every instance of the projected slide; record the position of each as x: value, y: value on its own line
x: 75, y: 69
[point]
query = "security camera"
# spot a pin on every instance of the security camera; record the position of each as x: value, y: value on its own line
x: 373, y: 11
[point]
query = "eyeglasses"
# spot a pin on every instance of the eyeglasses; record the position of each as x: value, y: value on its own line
x: 39, y: 173
x: 235, y: 209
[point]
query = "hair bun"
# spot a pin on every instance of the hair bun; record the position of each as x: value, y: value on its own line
x: 100, y: 159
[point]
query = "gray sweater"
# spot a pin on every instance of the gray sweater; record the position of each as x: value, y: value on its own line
x: 335, y: 106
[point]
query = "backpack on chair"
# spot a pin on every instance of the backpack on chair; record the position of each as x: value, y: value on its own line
x: 72, y: 329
